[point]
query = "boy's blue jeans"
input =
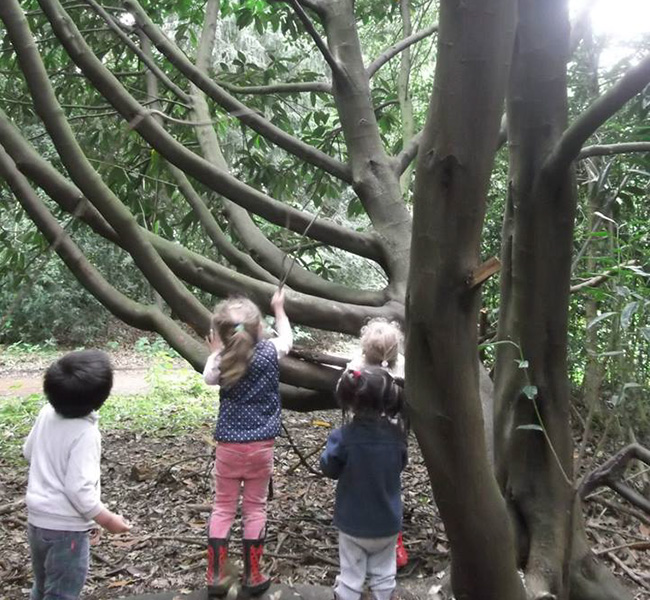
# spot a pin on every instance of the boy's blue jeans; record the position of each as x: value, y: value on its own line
x: 60, y: 563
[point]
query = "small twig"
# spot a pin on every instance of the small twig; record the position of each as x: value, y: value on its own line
x: 7, y: 508
x: 293, y: 467
x: 620, y: 507
x: 300, y: 454
x: 164, y: 472
x: 632, y: 575
x: 199, y: 507
x: 628, y: 545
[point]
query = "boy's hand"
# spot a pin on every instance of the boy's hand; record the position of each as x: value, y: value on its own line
x: 277, y: 302
x: 213, y: 341
x: 118, y: 525
x: 111, y: 522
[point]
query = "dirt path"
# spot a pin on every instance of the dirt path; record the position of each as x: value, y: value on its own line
x: 125, y: 383
x: 22, y: 375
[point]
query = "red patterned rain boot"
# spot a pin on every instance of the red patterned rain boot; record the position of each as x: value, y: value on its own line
x: 218, y: 580
x: 400, y: 552
x: 255, y: 582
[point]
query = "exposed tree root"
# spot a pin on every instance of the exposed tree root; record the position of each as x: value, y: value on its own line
x: 589, y: 579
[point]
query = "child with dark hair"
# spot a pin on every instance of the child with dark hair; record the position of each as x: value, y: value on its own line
x: 367, y: 457
x: 246, y: 366
x: 63, y: 490
x: 380, y: 344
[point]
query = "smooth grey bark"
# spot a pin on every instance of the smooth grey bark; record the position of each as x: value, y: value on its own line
x: 452, y: 175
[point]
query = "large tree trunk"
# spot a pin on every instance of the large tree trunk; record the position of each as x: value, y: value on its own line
x: 532, y: 434
x: 535, y: 470
x: 452, y: 176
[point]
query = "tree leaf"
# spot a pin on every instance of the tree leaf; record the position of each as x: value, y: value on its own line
x: 530, y: 391
x: 599, y: 318
x: 627, y: 313
x: 531, y: 427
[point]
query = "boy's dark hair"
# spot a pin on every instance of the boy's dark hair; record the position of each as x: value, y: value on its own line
x: 371, y: 392
x: 78, y: 383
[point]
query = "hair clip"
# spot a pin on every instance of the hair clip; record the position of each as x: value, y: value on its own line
x: 384, y: 364
x: 239, y: 327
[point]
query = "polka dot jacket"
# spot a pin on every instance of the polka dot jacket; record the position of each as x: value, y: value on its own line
x: 249, y: 411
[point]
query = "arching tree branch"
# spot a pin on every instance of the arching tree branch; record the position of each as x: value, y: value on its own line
x: 408, y: 154
x: 569, y: 145
x: 87, y: 179
x: 217, y: 179
x: 278, y: 88
x: 236, y: 108
x: 191, y: 267
x: 395, y: 49
x: 259, y: 247
x: 147, y: 60
x: 610, y: 149
x: 135, y: 314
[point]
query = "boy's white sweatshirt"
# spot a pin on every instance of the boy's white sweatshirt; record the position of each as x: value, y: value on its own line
x: 63, y: 492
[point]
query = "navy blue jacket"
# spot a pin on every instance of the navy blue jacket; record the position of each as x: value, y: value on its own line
x: 249, y: 411
x: 367, y: 457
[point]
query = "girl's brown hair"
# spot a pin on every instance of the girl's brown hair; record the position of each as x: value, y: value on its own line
x: 237, y: 322
x: 380, y: 342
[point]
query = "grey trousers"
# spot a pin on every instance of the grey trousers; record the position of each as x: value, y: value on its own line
x: 361, y: 557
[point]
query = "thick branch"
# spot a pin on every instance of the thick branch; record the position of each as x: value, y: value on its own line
x: 569, y: 145
x: 375, y: 181
x: 222, y: 182
x: 237, y: 109
x: 133, y: 313
x: 395, y: 49
x: 259, y: 247
x: 611, y: 472
x: 610, y: 149
x: 404, y: 159
x: 236, y: 257
x: 318, y: 40
x: 82, y: 173
x: 190, y: 266
x: 278, y: 88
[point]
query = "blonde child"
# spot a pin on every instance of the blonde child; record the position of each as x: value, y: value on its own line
x: 380, y: 345
x: 245, y: 365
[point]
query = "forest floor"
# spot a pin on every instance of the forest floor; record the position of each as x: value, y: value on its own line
x: 156, y: 470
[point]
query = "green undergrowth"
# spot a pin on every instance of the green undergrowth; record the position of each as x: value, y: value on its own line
x: 178, y: 402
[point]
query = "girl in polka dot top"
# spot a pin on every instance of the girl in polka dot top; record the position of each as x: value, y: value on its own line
x: 245, y: 365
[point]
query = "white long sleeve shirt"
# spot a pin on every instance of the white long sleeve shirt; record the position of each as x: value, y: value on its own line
x: 63, y: 490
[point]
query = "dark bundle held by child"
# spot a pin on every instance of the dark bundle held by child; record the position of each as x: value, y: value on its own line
x: 367, y: 457
x: 63, y: 491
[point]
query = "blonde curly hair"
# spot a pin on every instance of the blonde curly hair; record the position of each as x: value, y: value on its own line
x: 380, y: 342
